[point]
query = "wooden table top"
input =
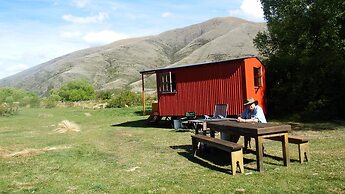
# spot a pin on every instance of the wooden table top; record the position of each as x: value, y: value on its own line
x: 249, y: 128
x: 210, y: 120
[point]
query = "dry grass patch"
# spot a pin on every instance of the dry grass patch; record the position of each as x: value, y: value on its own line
x: 87, y: 114
x: 24, y: 186
x: 45, y: 115
x: 4, y: 153
x: 25, y: 153
x: 67, y: 126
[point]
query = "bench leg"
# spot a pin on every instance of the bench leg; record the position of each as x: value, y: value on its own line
x: 237, y: 161
x: 247, y: 142
x: 303, y: 152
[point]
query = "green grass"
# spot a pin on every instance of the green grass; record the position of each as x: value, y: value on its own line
x: 134, y: 158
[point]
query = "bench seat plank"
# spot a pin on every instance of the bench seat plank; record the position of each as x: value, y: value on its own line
x: 292, y: 139
x: 303, y: 146
x: 219, y: 143
x: 234, y: 148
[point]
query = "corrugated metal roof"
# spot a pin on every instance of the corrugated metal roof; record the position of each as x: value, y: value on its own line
x: 151, y: 71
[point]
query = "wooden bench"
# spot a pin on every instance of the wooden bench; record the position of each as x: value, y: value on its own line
x: 234, y: 148
x: 303, y: 146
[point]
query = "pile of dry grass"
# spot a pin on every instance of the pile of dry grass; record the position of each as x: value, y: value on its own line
x: 67, y: 126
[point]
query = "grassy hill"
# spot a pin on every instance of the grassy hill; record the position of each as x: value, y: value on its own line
x: 117, y: 65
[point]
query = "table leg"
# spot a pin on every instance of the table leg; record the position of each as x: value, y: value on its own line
x: 197, y: 127
x: 259, y: 153
x: 196, y: 130
x: 285, y: 146
x: 246, y: 142
x: 212, y: 133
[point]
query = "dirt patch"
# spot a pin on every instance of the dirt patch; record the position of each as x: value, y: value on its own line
x: 67, y: 126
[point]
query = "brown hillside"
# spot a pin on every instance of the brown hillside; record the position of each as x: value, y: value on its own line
x: 117, y: 65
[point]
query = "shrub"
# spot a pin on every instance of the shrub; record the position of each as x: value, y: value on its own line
x: 31, y: 101
x: 8, y: 108
x: 77, y: 90
x: 12, y: 95
x: 149, y: 99
x: 51, y: 101
x: 104, y: 94
x: 125, y: 98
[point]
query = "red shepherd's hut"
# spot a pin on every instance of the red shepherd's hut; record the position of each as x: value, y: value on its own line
x: 198, y: 87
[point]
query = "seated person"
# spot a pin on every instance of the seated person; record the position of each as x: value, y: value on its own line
x: 252, y: 113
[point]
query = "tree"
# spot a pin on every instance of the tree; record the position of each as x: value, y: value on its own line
x: 304, y: 53
x: 77, y: 90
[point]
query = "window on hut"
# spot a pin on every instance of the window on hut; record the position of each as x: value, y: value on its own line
x: 167, y: 82
x: 257, y: 77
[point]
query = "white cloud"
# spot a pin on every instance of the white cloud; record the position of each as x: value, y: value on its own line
x: 81, y: 3
x: 85, y: 20
x: 103, y: 37
x: 72, y: 34
x: 20, y: 51
x: 166, y: 14
x: 252, y: 8
x: 249, y: 9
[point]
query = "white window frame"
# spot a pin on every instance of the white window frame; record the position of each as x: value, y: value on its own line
x: 167, y: 82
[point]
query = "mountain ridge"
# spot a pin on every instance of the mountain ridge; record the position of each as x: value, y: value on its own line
x: 117, y: 65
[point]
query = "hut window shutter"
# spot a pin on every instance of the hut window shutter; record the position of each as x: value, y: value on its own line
x: 257, y: 77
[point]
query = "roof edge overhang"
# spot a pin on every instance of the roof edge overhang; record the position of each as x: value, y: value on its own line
x: 153, y: 71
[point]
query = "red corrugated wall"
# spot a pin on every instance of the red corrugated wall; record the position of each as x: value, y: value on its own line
x: 199, y: 88
x: 252, y: 92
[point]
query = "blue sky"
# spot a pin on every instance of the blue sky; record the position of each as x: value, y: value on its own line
x: 35, y: 31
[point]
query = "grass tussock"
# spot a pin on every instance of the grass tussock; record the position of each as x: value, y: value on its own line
x: 67, y: 126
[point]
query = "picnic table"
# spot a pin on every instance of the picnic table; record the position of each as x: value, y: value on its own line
x: 201, y: 124
x: 258, y: 131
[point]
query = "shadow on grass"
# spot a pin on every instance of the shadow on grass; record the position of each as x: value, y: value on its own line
x: 140, y: 112
x: 314, y: 126
x: 209, y: 157
x: 183, y: 130
x: 278, y: 159
x: 266, y: 155
x: 216, y: 159
x: 145, y: 124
